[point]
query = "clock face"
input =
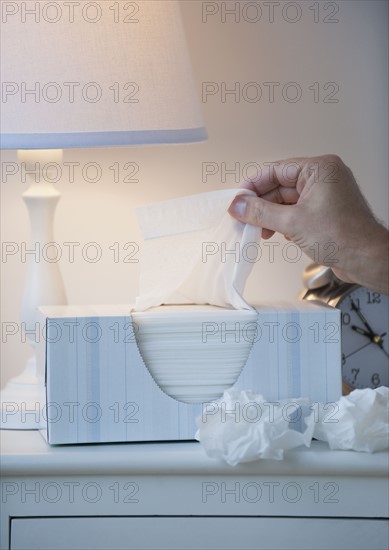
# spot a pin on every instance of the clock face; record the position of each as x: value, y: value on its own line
x: 365, y: 328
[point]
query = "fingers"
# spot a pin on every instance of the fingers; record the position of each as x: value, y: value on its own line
x: 266, y: 234
x: 256, y: 211
x: 282, y: 195
x: 278, y: 174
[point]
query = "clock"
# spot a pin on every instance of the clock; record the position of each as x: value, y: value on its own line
x: 365, y: 326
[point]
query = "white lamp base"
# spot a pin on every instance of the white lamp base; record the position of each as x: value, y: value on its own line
x: 23, y: 400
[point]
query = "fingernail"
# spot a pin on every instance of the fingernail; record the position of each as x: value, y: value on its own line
x: 238, y: 208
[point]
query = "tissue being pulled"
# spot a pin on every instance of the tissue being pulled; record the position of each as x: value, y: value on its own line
x: 242, y: 426
x: 195, y: 252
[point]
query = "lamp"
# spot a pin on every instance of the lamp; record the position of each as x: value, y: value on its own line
x: 89, y: 74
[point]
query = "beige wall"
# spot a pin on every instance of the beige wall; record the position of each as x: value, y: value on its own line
x: 351, y: 53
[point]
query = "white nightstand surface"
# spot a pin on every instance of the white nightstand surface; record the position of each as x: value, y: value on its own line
x: 171, y: 496
x: 27, y: 452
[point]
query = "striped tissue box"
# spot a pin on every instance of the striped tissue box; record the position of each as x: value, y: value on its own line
x: 99, y: 389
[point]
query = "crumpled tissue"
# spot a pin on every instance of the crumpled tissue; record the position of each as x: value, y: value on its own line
x: 359, y: 421
x: 243, y: 426
x: 195, y: 252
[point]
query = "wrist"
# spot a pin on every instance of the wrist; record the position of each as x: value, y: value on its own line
x: 371, y: 261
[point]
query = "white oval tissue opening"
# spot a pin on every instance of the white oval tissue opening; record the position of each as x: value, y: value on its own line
x: 195, y: 352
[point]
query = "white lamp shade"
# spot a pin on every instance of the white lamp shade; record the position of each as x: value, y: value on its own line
x: 117, y: 73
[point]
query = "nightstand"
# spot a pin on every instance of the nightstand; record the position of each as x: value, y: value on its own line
x: 172, y: 496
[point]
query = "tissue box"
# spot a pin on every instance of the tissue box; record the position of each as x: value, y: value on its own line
x: 98, y: 389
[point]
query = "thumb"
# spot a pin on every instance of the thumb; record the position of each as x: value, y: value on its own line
x: 263, y: 213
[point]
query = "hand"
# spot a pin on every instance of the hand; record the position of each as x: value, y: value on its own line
x: 316, y: 203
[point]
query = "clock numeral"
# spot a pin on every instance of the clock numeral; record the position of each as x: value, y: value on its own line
x: 357, y: 302
x: 375, y: 379
x: 355, y: 372
x: 346, y: 318
x: 373, y: 297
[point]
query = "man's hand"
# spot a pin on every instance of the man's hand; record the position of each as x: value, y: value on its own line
x: 316, y: 203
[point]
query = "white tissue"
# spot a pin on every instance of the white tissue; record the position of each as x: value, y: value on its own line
x: 358, y: 421
x: 195, y: 252
x: 229, y: 430
x: 242, y: 426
